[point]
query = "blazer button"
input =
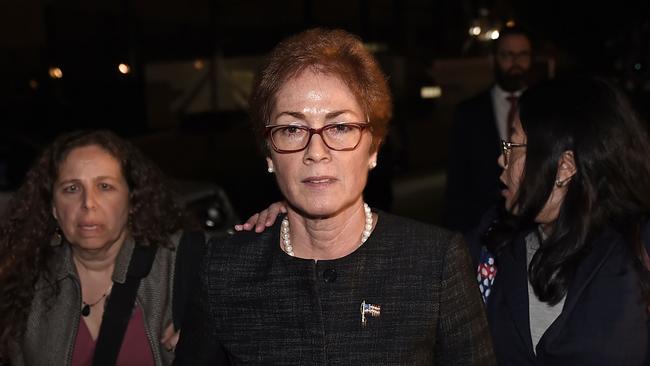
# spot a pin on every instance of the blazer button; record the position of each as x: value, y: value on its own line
x: 329, y: 275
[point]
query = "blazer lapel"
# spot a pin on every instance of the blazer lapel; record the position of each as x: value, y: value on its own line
x: 513, y: 272
x: 586, y: 271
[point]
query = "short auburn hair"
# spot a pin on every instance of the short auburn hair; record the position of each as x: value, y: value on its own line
x: 331, y: 52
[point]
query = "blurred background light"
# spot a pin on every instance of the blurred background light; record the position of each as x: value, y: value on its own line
x: 124, y: 69
x: 55, y: 73
x: 430, y: 92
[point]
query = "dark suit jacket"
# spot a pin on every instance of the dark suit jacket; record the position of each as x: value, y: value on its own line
x: 472, y: 171
x: 603, y: 321
x: 257, y: 305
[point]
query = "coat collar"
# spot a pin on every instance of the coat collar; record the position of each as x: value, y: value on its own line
x: 600, y: 251
x: 513, y: 272
x: 63, y: 265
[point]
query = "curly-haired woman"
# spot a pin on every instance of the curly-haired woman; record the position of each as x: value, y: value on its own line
x: 89, y: 203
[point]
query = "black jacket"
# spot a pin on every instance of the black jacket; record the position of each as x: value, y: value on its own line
x: 257, y: 305
x: 603, y: 321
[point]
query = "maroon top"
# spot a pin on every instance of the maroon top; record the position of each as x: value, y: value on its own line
x: 135, y: 347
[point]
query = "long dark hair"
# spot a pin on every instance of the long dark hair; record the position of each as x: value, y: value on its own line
x: 28, y: 225
x: 611, y: 187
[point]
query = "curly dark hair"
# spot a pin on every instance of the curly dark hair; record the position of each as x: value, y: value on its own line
x: 28, y: 226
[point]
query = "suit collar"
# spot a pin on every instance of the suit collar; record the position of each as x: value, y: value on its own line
x: 499, y: 92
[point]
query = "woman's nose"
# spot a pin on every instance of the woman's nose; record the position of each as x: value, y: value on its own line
x: 501, y: 160
x: 316, y: 150
x: 89, y: 200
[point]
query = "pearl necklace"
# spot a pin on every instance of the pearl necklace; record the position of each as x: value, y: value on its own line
x: 286, y: 231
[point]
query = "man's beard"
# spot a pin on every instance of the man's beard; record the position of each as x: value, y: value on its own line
x: 511, y: 80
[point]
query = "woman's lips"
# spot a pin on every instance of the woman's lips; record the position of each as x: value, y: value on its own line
x: 89, y: 227
x: 504, y: 188
x: 319, y: 181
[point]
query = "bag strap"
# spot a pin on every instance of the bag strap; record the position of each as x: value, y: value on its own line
x: 119, y: 307
x: 186, y: 272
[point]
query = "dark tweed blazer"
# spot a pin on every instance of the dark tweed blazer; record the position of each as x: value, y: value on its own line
x: 257, y: 305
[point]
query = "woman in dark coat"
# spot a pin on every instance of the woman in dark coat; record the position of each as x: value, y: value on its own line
x: 565, y: 268
x: 333, y: 282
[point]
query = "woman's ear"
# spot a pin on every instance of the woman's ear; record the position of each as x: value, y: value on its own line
x: 374, y: 146
x: 566, y: 168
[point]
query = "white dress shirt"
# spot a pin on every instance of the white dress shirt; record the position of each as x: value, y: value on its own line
x: 501, y: 107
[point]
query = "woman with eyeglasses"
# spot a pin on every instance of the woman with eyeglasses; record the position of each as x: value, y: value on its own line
x: 565, y: 268
x: 333, y: 281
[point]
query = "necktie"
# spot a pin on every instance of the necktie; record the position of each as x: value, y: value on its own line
x: 512, y: 111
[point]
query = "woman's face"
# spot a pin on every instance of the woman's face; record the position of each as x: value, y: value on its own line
x: 513, y: 166
x: 319, y: 181
x: 513, y: 173
x: 91, y: 199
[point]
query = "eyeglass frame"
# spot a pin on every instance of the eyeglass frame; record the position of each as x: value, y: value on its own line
x: 316, y: 131
x: 506, y: 148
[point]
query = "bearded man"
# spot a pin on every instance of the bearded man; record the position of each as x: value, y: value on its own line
x: 480, y: 123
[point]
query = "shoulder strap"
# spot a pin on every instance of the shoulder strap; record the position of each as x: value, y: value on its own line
x: 120, y: 306
x: 186, y: 272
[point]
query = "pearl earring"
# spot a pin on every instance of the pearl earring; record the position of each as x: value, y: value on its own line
x: 373, y: 164
x: 270, y: 169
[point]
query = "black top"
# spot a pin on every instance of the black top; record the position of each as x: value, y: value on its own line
x: 257, y: 305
